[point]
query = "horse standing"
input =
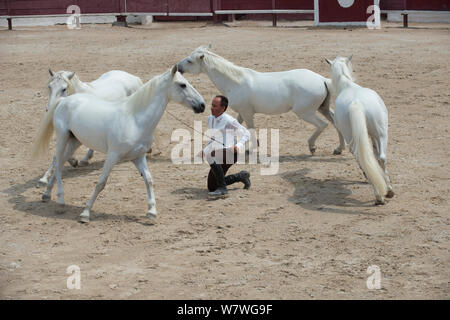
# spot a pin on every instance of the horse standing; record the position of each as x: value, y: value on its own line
x: 121, y: 129
x: 360, y: 114
x: 111, y: 85
x: 302, y: 91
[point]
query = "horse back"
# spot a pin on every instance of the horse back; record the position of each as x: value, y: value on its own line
x: 279, y: 92
x: 116, y: 84
x: 374, y: 108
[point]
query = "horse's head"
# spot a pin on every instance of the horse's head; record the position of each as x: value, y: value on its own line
x: 183, y: 92
x: 341, y: 66
x: 192, y: 64
x: 59, y: 86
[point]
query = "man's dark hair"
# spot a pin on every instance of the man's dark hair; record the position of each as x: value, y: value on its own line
x: 223, y: 101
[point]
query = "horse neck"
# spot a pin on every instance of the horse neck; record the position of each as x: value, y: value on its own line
x: 340, y: 83
x: 148, y: 104
x: 341, y: 78
x: 222, y: 80
x: 80, y: 86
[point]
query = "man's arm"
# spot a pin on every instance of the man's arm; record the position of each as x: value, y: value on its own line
x: 242, y: 132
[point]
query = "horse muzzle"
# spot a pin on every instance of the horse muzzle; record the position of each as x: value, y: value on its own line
x: 199, y: 108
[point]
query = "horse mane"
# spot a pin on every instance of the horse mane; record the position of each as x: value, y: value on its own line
x: 214, y: 61
x: 341, y: 70
x: 139, y: 99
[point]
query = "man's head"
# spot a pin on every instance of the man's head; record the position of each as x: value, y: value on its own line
x: 219, y: 105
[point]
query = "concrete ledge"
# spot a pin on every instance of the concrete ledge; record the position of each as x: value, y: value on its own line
x: 53, y: 20
x: 418, y: 16
x: 261, y: 11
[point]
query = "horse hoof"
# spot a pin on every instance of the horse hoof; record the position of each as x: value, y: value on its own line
x: 45, y: 198
x: 312, y: 150
x: 73, y: 162
x: 83, y: 163
x: 151, y: 216
x: 390, y: 194
x: 337, y: 152
x: 380, y: 202
x: 84, y: 219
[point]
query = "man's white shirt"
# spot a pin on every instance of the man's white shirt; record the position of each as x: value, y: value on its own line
x: 226, y: 132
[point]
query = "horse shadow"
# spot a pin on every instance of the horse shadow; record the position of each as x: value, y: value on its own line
x: 311, y: 158
x: 319, y: 194
x: 53, y: 210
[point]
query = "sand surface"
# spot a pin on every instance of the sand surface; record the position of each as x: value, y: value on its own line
x: 309, y: 232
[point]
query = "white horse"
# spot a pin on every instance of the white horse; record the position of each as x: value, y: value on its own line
x: 121, y: 129
x: 111, y: 85
x: 248, y: 91
x: 361, y: 114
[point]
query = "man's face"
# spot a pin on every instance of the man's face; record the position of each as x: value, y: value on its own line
x: 216, y: 108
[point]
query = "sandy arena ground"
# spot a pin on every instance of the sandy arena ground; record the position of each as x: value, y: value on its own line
x: 308, y: 232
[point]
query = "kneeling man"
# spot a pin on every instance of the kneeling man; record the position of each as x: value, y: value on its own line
x: 222, y: 150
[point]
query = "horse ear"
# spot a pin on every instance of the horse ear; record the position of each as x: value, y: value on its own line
x: 51, y: 72
x: 329, y: 62
x: 174, y: 70
x: 350, y: 57
x: 70, y: 75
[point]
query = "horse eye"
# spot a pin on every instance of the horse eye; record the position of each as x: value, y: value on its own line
x: 183, y: 85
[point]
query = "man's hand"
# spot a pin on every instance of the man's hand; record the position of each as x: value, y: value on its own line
x: 236, y: 149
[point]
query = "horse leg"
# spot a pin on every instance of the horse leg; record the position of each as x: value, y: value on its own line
x: 341, y: 147
x: 111, y: 160
x: 48, y: 173
x: 141, y: 165
x: 329, y: 114
x: 254, y: 143
x: 320, y: 125
x: 382, y: 147
x: 73, y: 162
x: 85, y: 161
x: 62, y: 147
x: 71, y: 147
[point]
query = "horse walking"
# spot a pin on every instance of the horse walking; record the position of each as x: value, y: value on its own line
x: 302, y: 91
x: 111, y: 85
x: 122, y: 129
x: 361, y: 115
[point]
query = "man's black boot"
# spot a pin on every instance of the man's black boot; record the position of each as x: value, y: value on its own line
x: 220, y: 178
x: 243, y: 176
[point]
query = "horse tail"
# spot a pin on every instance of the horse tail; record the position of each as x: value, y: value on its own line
x: 325, y: 106
x: 362, y: 148
x: 45, y: 132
